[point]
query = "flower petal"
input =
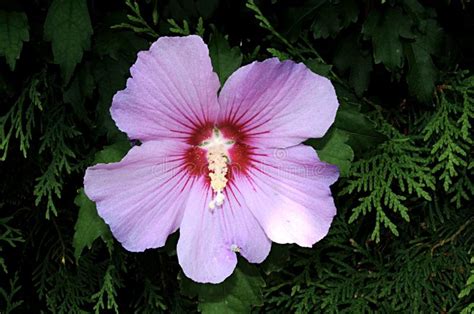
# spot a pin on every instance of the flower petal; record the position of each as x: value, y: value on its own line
x: 209, y: 239
x: 142, y: 198
x: 287, y: 190
x: 172, y: 92
x: 201, y: 246
x: 278, y: 104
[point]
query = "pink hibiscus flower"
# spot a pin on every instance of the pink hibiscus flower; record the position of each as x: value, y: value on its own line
x: 227, y: 169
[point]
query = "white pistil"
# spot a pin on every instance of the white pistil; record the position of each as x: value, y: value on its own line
x: 218, y: 160
x: 218, y: 200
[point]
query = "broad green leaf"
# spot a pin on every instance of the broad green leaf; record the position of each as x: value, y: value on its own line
x: 225, y: 59
x: 81, y: 88
x: 332, y: 17
x: 360, y: 129
x: 351, y: 58
x: 318, y: 67
x: 237, y: 294
x: 89, y: 226
x: 385, y: 31
x: 68, y: 27
x: 118, y: 44
x: 431, y: 37
x: 13, y: 32
x: 116, y: 51
x: 110, y: 76
x: 326, y: 22
x: 112, y: 153
x: 296, y: 17
x: 334, y: 150
x: 422, y: 73
x: 352, y: 133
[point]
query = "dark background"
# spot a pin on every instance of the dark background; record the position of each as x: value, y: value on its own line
x: 401, y: 243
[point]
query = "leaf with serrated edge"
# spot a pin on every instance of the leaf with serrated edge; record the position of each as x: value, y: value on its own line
x: 112, y: 153
x: 237, y: 294
x: 225, y: 59
x: 351, y: 58
x: 89, y: 226
x: 13, y: 32
x: 360, y: 129
x: 68, y: 27
x: 422, y: 73
x: 386, y: 31
x: 332, y: 17
x: 336, y: 151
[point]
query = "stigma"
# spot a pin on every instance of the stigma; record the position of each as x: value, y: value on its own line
x: 218, y: 160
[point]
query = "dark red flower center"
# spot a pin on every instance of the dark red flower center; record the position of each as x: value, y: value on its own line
x: 239, y: 152
x: 218, y: 153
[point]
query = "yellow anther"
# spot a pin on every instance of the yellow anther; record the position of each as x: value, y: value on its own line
x: 217, y: 147
x: 217, y: 165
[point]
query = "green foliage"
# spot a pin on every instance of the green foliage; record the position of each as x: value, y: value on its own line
x: 55, y: 141
x: 20, y: 119
x: 66, y: 293
x: 334, y: 16
x: 185, y: 30
x: 69, y: 29
x: 355, y: 61
x: 116, y: 51
x: 336, y: 151
x: 175, y: 28
x: 282, y: 56
x: 89, y: 226
x: 404, y: 36
x: 108, y: 291
x: 396, y: 36
x: 316, y: 65
x: 151, y: 301
x: 237, y: 294
x: 351, y: 131
x: 346, y: 276
x: 9, y: 296
x: 136, y: 22
x: 225, y: 60
x: 360, y: 129
x: 388, y: 177
x: 422, y: 75
x: 112, y: 153
x: 264, y: 22
x: 63, y: 288
x: 448, y: 133
x: 13, y: 32
x: 10, y: 236
x: 80, y: 89
x: 468, y: 291
x: 386, y: 32
x: 402, y: 139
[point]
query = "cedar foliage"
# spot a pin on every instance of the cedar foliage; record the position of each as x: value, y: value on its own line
x: 402, y: 240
